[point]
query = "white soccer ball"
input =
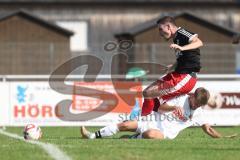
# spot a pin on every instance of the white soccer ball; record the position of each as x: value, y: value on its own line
x: 32, y: 132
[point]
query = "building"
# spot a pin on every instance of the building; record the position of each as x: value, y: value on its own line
x: 218, y: 55
x: 95, y: 22
x: 31, y: 45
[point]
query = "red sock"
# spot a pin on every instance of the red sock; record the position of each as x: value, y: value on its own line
x: 147, y: 107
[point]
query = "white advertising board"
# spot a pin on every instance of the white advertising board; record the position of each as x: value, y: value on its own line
x: 34, y: 102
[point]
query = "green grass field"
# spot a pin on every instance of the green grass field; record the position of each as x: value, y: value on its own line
x: 191, y: 144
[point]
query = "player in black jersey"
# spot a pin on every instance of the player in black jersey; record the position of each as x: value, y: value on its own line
x: 180, y: 77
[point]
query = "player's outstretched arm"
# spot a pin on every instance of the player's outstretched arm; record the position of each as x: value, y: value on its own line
x: 210, y: 131
x: 213, y: 133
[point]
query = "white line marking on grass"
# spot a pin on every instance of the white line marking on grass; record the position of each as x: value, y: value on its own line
x: 51, y: 149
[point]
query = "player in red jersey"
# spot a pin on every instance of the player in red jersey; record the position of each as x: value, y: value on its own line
x: 180, y: 77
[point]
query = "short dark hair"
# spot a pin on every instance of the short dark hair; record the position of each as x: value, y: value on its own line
x: 166, y: 19
x: 201, y: 95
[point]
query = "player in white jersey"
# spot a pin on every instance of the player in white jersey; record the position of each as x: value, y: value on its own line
x: 172, y: 117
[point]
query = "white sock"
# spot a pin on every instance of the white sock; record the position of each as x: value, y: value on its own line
x: 107, y: 131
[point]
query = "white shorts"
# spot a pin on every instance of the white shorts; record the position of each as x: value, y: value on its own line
x: 155, y: 121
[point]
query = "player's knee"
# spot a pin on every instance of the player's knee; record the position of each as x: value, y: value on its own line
x: 149, y: 134
x: 152, y: 135
x: 123, y: 126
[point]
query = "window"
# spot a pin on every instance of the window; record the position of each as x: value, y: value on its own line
x: 78, y: 41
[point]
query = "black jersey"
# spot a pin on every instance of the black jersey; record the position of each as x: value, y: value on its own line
x: 187, y: 61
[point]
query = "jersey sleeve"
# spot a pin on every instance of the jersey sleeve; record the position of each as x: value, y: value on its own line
x: 187, y: 35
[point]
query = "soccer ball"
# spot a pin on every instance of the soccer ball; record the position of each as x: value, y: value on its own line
x: 32, y: 132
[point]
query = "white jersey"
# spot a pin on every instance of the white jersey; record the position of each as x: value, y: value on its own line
x: 168, y: 123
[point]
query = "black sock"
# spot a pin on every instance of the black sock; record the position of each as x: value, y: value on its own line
x: 98, y: 134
